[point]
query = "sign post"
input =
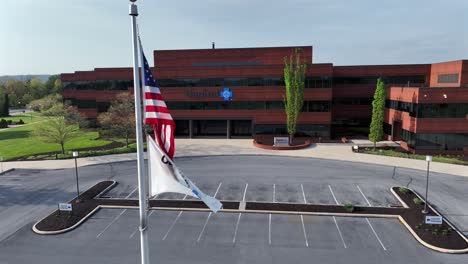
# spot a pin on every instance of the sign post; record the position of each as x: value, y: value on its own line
x: 428, y: 159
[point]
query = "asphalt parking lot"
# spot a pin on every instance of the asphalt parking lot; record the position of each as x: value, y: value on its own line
x: 111, y: 236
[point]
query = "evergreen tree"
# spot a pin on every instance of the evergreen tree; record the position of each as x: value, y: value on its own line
x: 378, y: 107
x: 294, y: 79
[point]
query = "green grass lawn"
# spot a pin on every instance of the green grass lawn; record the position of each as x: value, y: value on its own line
x: 18, y: 142
x: 26, y: 117
x: 393, y: 153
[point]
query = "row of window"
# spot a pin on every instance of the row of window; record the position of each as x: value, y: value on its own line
x: 458, y: 110
x: 352, y: 101
x: 425, y: 141
x: 388, y: 80
x: 447, y: 78
x: 303, y: 130
x: 310, y: 82
x: 244, y: 128
x: 309, y: 106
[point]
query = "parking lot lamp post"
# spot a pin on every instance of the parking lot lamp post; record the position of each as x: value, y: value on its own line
x: 428, y: 159
x: 1, y: 164
x: 75, y: 155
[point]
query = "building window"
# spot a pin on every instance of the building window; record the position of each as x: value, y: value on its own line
x: 447, y: 78
x: 387, y: 128
x: 309, y: 106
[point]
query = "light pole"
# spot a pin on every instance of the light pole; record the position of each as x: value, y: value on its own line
x: 75, y: 155
x: 1, y: 164
x: 428, y: 159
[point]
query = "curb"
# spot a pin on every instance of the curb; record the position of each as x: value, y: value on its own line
x: 56, y: 232
x: 6, y: 171
x: 438, y: 249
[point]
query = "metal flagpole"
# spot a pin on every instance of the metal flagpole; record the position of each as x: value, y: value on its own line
x: 133, y: 12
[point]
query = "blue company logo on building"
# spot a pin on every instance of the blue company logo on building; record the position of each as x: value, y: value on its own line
x: 226, y: 94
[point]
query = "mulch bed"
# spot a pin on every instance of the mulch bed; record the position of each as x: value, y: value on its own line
x: 437, y: 235
x: 432, y: 234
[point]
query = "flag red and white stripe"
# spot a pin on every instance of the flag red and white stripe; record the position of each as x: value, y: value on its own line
x: 156, y: 112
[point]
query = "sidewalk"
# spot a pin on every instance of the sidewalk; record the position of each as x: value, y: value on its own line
x: 206, y: 147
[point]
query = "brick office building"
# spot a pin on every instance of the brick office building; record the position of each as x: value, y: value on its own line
x: 337, y: 98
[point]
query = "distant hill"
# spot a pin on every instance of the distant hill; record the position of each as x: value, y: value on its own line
x: 5, y: 78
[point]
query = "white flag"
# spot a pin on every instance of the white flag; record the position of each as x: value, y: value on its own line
x: 165, y: 177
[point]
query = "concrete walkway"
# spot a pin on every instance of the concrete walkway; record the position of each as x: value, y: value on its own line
x: 206, y: 147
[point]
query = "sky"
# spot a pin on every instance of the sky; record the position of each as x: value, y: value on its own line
x: 57, y: 36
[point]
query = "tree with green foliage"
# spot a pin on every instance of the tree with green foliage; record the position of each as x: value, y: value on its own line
x: 4, y: 104
x: 120, y: 118
x: 378, y: 107
x: 294, y: 79
x: 57, y: 130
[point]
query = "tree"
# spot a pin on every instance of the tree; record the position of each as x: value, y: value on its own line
x: 4, y: 105
x: 294, y: 79
x: 378, y: 107
x: 120, y: 118
x: 53, y: 85
x: 56, y: 130
x: 37, y: 88
x: 45, y: 103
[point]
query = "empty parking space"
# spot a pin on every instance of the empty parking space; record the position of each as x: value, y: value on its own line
x: 219, y: 229
x: 94, y: 225
x: 378, y: 195
x: 348, y: 193
x: 253, y: 229
x: 322, y: 233
x: 357, y: 234
x: 317, y: 193
x: 259, y: 192
x: 188, y: 227
x: 231, y: 191
x: 286, y: 231
x: 288, y: 193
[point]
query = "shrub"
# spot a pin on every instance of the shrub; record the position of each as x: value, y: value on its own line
x: 20, y: 122
x: 444, y: 232
x: 403, y: 190
x: 3, y: 123
x: 349, y: 207
x: 417, y: 201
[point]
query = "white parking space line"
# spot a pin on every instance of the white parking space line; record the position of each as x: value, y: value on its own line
x: 173, y: 223
x: 375, y: 233
x: 303, y: 229
x: 339, y: 232
x: 134, y: 232
x: 118, y: 216
x: 302, y: 217
x: 113, y: 221
x: 303, y: 193
x: 237, y: 227
x: 269, y: 216
x: 245, y: 191
x: 269, y: 229
x: 334, y: 197
x: 363, y: 195
x: 209, y: 216
x: 274, y: 191
x: 240, y: 214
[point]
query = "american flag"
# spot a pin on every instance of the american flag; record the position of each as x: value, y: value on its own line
x: 156, y: 112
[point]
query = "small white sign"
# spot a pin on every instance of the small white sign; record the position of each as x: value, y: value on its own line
x: 433, y: 219
x: 280, y: 141
x: 65, y: 207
